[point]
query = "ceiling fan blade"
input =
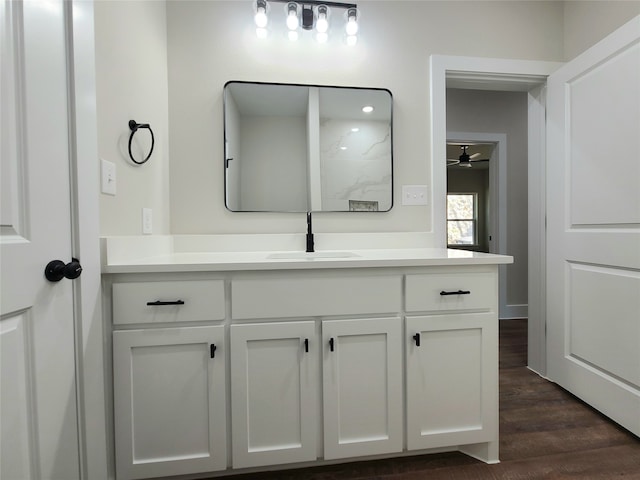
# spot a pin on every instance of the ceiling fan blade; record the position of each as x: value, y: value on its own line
x: 481, y: 160
x: 477, y: 154
x: 451, y: 161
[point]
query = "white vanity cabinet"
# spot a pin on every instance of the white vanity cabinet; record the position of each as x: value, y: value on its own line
x: 280, y: 366
x: 169, y: 383
x: 452, y: 360
x: 220, y: 370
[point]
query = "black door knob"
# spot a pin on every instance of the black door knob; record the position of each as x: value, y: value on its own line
x: 56, y: 270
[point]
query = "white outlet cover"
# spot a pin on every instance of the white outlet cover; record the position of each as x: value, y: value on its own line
x: 147, y: 221
x: 108, y: 177
x: 415, y: 195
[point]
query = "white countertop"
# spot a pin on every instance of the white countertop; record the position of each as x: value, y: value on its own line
x: 296, y: 260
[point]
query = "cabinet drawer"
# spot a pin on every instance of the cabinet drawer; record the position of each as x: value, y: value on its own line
x: 160, y: 302
x: 305, y: 296
x: 455, y: 291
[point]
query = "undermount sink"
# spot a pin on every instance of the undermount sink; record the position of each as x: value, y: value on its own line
x: 309, y: 255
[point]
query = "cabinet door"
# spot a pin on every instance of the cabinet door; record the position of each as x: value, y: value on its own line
x: 274, y: 385
x: 452, y: 380
x: 362, y: 378
x: 169, y: 401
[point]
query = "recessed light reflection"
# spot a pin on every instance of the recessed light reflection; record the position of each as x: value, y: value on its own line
x: 367, y: 109
x: 343, y: 148
x: 355, y: 129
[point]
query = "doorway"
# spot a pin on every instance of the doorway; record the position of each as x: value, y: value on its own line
x: 499, y: 75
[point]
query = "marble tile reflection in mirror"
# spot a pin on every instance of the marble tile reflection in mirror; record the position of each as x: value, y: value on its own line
x: 299, y: 148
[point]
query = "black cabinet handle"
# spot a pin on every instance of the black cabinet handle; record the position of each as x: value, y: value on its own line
x: 459, y: 292
x: 159, y: 303
x: 416, y: 337
x: 212, y: 350
x: 306, y: 345
x: 331, y: 344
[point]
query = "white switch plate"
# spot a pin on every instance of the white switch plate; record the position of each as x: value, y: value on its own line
x: 147, y: 221
x: 108, y: 177
x: 415, y: 195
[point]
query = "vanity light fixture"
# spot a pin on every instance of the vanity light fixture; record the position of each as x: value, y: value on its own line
x: 308, y: 15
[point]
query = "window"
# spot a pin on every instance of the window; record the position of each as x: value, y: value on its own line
x: 461, y: 219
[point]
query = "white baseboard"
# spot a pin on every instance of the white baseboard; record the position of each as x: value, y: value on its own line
x: 515, y: 312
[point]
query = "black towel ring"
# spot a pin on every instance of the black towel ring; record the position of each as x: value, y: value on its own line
x: 133, y: 126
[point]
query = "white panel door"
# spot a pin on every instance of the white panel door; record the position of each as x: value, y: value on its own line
x: 169, y: 401
x: 452, y: 380
x: 362, y: 378
x: 38, y: 415
x: 593, y: 195
x: 274, y: 385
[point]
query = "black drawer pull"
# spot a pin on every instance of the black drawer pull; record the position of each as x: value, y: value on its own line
x: 416, y: 337
x: 331, y: 344
x: 159, y: 303
x: 212, y: 350
x: 306, y: 345
x: 459, y: 292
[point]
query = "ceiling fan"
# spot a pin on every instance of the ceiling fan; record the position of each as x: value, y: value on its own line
x: 465, y: 160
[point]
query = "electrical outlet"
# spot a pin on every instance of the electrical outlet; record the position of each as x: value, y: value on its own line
x: 147, y: 221
x: 108, y: 177
x: 415, y: 195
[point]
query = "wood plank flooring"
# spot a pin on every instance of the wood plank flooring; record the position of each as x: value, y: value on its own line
x: 545, y: 433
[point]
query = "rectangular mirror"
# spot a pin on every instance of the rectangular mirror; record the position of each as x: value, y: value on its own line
x: 307, y: 148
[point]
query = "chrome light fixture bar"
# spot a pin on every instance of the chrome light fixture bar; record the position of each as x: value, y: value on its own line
x: 309, y: 15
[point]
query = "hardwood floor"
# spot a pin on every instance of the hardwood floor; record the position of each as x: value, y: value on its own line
x: 545, y: 433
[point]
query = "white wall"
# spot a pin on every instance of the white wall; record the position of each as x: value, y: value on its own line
x: 232, y: 152
x: 587, y: 22
x: 131, y: 84
x: 211, y: 42
x: 506, y: 113
x: 273, y: 163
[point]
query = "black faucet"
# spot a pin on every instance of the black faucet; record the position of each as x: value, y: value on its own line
x: 309, y: 234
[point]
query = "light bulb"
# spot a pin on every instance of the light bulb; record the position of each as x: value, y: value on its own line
x: 261, y: 14
x: 322, y: 23
x: 352, y: 22
x: 292, y: 16
x: 261, y: 18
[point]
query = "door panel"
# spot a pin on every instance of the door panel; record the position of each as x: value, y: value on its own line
x: 593, y: 194
x: 452, y: 389
x: 274, y: 385
x: 362, y: 387
x: 169, y: 401
x: 36, y: 228
x: 16, y: 398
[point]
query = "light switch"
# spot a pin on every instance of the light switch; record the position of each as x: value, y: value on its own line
x: 108, y: 177
x: 415, y: 195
